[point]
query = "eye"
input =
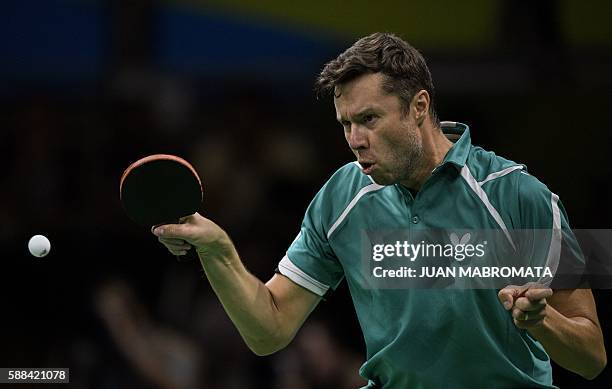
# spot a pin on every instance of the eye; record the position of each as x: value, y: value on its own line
x: 346, y: 125
x: 369, y: 118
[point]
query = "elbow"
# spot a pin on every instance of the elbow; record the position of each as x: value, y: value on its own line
x: 267, y: 346
x: 597, y: 367
x: 264, y: 351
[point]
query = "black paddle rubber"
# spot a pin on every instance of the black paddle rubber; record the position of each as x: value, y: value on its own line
x: 160, y: 189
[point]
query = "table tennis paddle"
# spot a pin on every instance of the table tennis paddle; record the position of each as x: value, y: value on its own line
x: 160, y: 189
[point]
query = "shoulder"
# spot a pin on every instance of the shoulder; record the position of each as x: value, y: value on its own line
x: 486, y: 165
x: 537, y: 203
x: 349, y: 176
x: 339, y: 190
x: 539, y: 207
x: 490, y: 170
x: 519, y: 197
x: 344, y: 185
x: 529, y: 187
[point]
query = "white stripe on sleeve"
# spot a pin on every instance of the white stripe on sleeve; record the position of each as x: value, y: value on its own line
x: 295, y: 274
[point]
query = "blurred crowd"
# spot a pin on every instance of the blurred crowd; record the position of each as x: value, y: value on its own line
x: 131, y: 315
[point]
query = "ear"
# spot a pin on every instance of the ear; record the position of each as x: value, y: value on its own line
x: 420, y: 105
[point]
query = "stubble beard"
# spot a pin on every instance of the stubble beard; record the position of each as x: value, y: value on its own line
x: 406, y: 164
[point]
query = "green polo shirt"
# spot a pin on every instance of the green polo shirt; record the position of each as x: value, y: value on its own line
x: 430, y: 338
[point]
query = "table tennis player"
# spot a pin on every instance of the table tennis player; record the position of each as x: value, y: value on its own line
x: 409, y: 174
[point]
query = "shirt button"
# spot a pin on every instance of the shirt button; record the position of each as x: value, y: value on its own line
x: 415, y: 219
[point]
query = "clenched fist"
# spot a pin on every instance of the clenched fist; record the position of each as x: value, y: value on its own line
x: 527, y: 302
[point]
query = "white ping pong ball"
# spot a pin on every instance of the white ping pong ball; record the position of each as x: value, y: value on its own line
x: 39, y: 246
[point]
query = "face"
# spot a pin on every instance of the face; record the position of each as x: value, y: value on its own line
x: 384, y: 138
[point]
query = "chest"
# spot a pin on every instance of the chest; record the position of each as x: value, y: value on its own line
x: 443, y: 203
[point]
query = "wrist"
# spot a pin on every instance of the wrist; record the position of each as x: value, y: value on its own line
x: 221, y: 249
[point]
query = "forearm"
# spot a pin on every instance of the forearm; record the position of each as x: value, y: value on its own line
x: 267, y: 316
x: 247, y: 301
x: 574, y: 343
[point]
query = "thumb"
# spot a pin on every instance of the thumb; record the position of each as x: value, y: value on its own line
x: 170, y: 231
x: 507, y: 295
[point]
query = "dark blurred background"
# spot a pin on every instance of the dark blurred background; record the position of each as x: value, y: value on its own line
x: 89, y: 86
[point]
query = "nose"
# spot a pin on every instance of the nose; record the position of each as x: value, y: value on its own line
x: 356, y: 138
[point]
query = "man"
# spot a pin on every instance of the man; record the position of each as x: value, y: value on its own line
x: 408, y: 174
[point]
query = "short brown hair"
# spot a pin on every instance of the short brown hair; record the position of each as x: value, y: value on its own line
x: 404, y: 67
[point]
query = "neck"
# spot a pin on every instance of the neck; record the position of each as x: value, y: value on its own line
x: 435, y: 148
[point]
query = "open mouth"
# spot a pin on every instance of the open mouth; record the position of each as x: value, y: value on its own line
x: 367, y: 167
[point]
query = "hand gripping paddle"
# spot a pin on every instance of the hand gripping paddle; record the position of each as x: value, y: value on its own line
x: 160, y: 189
